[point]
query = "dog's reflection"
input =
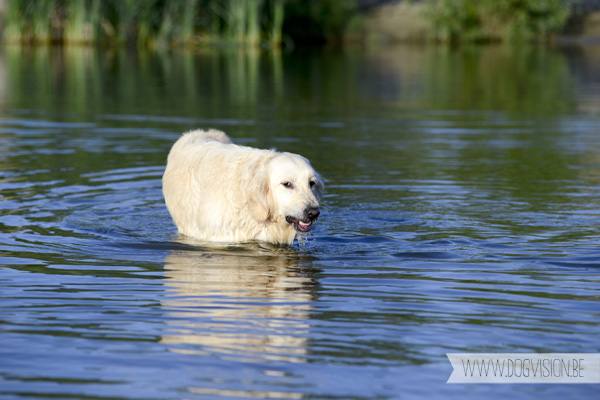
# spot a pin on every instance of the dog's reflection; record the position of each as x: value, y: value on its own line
x: 249, y: 303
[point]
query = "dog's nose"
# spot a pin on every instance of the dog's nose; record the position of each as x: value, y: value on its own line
x: 312, y: 213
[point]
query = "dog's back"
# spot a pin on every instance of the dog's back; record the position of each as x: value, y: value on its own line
x: 199, y: 136
x: 187, y: 151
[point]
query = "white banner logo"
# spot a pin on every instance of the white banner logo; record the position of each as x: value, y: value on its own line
x: 524, y: 368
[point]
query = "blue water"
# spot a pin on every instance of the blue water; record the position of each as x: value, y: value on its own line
x: 461, y: 215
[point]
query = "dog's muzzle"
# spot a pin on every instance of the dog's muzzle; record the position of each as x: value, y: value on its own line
x: 305, y: 224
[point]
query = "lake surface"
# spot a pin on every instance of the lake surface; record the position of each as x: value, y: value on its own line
x: 462, y: 214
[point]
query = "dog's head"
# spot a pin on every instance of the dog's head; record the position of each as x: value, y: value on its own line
x: 290, y: 190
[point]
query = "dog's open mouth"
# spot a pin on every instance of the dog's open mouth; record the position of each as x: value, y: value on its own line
x: 300, y: 226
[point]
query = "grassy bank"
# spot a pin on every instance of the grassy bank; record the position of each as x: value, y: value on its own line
x: 150, y: 23
x: 269, y: 23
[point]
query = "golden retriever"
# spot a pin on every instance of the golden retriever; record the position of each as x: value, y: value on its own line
x: 222, y: 192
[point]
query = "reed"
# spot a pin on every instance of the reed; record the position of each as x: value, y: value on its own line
x: 277, y: 14
x: 41, y: 24
x: 29, y: 21
x: 124, y: 20
x: 253, y: 16
x: 235, y: 20
x: 82, y: 22
x: 14, y: 22
x: 142, y: 29
x: 188, y: 21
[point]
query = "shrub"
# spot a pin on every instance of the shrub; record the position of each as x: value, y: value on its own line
x: 496, y: 20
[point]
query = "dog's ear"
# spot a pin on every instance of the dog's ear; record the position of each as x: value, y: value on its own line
x: 259, y: 195
x: 319, y: 189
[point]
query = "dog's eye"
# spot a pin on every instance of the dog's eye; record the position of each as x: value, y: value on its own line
x: 288, y: 185
x: 312, y: 183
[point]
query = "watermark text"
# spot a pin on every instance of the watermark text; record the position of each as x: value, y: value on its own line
x: 525, y: 368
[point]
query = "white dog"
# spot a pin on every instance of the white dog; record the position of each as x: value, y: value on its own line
x: 218, y: 191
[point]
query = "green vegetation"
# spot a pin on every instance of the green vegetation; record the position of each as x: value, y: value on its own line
x: 496, y: 20
x: 267, y: 23
x: 150, y: 23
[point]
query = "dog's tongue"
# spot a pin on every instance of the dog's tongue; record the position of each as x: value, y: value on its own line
x: 304, y: 225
